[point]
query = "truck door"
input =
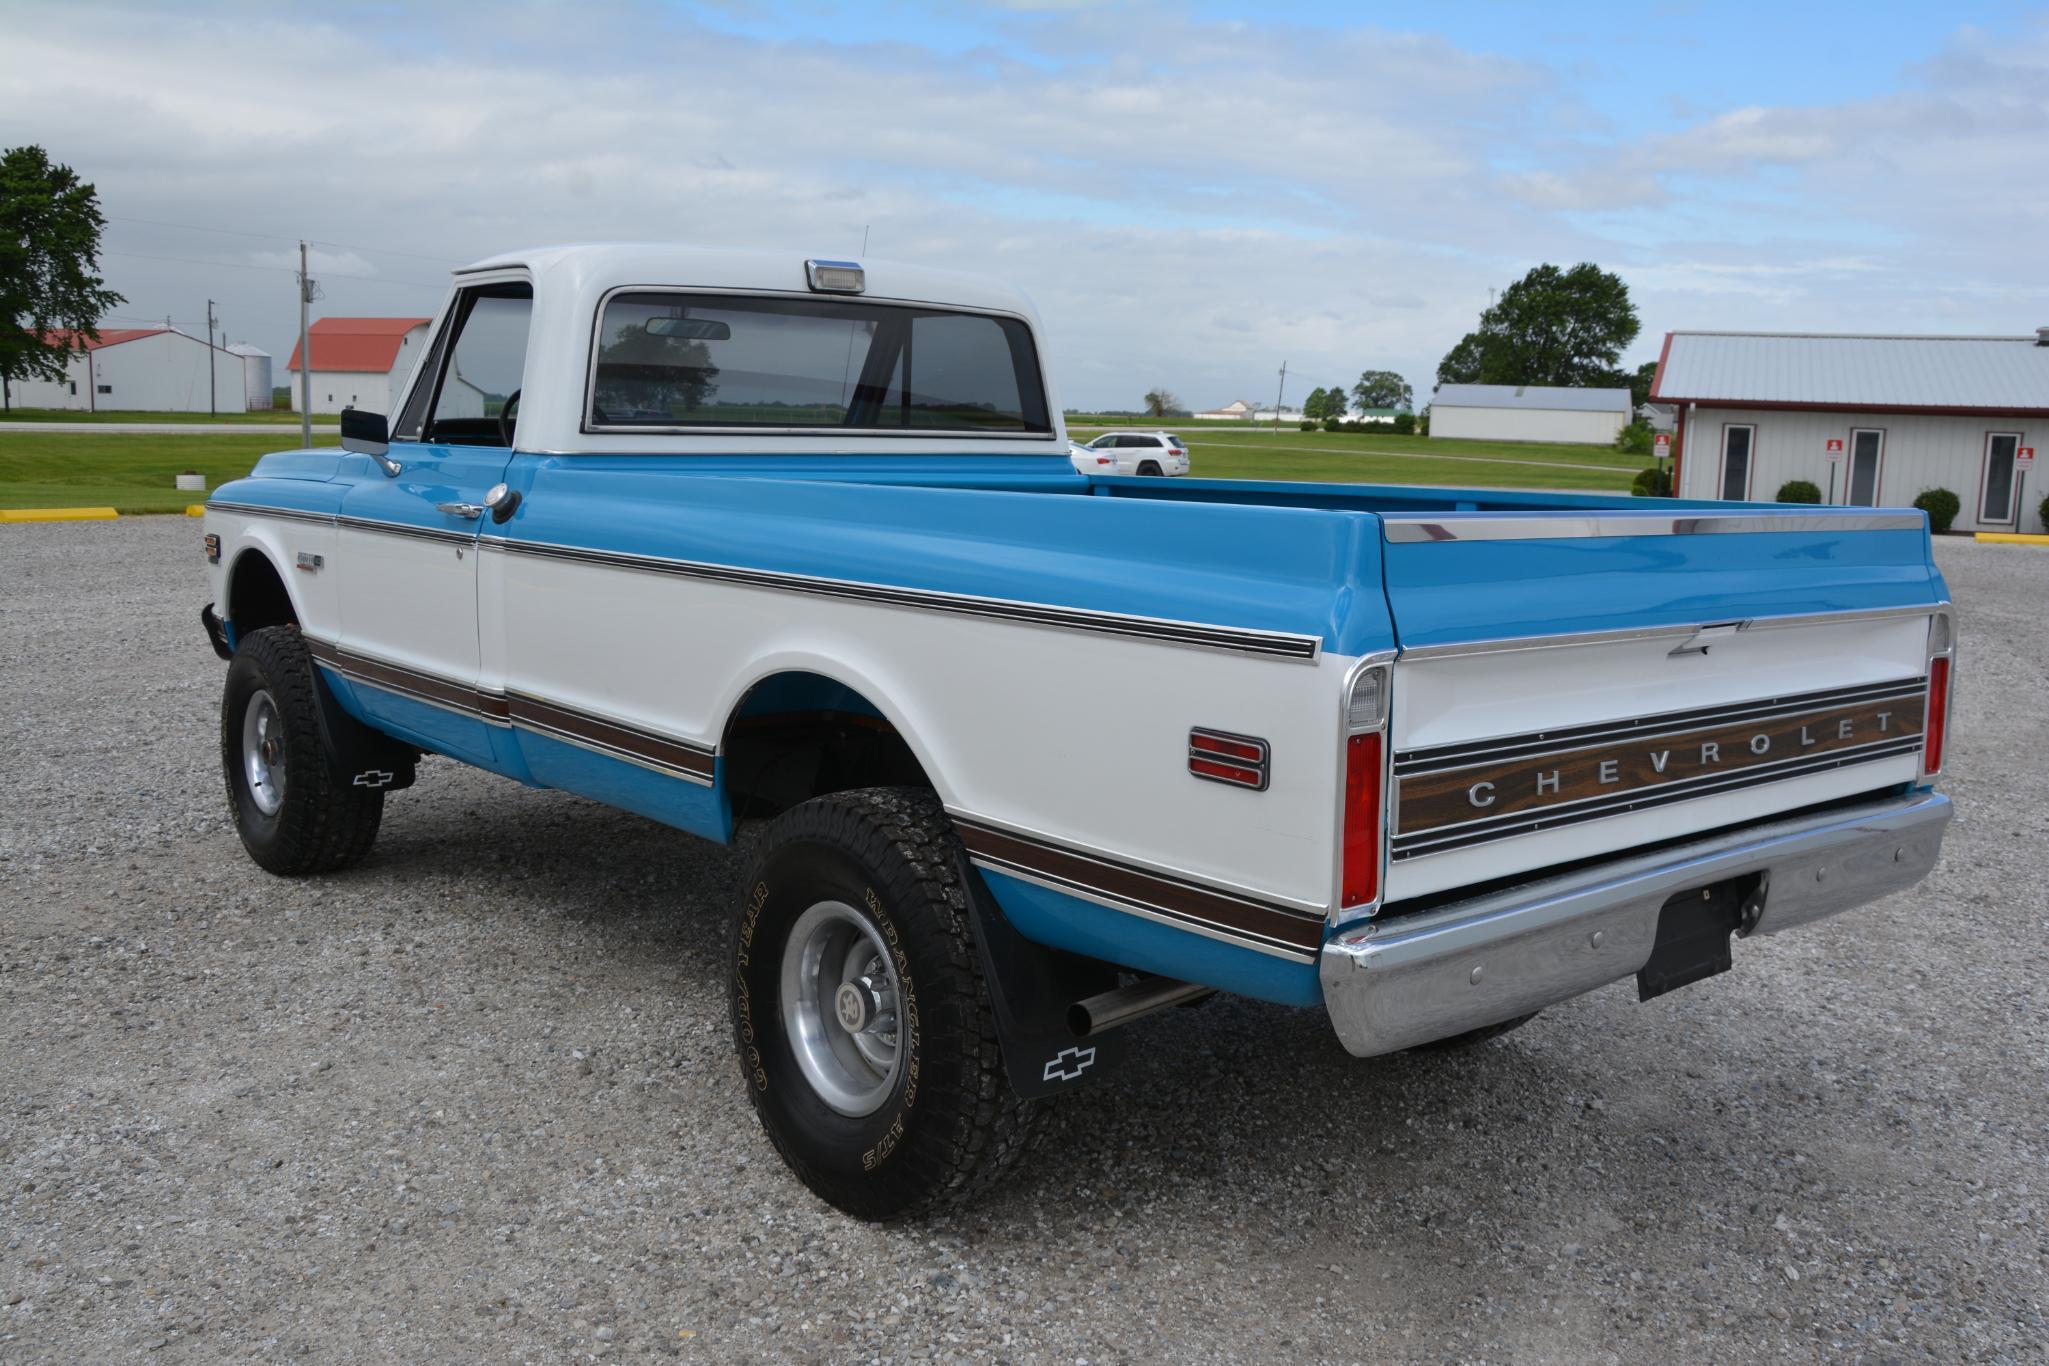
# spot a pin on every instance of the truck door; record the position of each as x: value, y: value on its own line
x: 406, y: 553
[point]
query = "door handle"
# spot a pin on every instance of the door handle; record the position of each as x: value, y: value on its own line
x: 468, y: 511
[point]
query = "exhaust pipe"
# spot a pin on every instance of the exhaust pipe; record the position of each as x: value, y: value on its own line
x: 1120, y: 1007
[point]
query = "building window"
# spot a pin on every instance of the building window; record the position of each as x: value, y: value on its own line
x: 1996, y: 484
x: 1867, y: 454
x: 74, y: 388
x: 1736, y: 448
x: 106, y: 388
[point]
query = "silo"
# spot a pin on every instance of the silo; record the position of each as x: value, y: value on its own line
x: 255, y: 375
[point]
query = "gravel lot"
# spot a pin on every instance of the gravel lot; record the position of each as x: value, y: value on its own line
x: 474, y: 1099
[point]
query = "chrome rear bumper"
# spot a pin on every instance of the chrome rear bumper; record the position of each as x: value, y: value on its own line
x: 1395, y: 984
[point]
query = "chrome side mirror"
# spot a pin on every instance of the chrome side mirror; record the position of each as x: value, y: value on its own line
x: 501, y: 502
x: 369, y: 434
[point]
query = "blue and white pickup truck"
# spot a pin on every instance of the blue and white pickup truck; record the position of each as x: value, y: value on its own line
x: 744, y: 542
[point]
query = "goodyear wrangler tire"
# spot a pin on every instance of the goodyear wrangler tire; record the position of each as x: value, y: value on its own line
x: 294, y: 809
x: 862, y: 1020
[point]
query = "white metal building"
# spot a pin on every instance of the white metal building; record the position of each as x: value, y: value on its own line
x: 1529, y: 412
x: 139, y: 369
x: 359, y: 362
x: 1869, y: 420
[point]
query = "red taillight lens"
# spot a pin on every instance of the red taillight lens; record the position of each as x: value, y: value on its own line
x: 1938, y: 714
x: 1361, y: 879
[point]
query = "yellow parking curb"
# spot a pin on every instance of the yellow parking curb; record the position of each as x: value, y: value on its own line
x: 57, y: 514
x: 196, y: 510
x: 2012, y: 538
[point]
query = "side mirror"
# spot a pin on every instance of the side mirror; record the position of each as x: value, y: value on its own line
x: 365, y: 433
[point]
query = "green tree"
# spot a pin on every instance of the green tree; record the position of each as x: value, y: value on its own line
x: 1640, y: 383
x: 1161, y: 403
x: 1383, y: 389
x: 50, y: 226
x: 1312, y: 407
x: 639, y: 368
x: 1564, y: 327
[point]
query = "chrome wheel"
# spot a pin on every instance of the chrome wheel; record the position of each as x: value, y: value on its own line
x: 839, y: 1004
x: 263, y: 753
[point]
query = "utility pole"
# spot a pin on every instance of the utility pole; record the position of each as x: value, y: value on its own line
x: 1277, y: 395
x: 211, y: 403
x: 305, y: 355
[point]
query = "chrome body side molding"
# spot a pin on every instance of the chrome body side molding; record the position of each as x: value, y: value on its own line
x: 1686, y: 629
x: 1404, y: 529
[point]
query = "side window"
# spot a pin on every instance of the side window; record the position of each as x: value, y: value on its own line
x: 468, y: 393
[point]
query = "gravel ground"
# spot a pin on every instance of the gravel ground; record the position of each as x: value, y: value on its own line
x: 474, y: 1099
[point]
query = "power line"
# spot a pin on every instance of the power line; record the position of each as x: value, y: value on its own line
x: 277, y: 270
x: 276, y: 237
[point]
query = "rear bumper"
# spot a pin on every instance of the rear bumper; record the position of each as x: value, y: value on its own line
x: 1408, y: 981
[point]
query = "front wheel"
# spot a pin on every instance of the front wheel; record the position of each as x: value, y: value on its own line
x: 295, y: 809
x: 862, y: 1020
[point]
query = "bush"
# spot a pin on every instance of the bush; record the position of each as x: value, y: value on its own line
x: 1652, y: 483
x: 1799, y: 491
x: 1941, y: 505
x: 1423, y: 423
x: 1331, y: 424
x: 1309, y: 424
x: 1635, y: 439
x: 1404, y: 424
x: 2043, y: 513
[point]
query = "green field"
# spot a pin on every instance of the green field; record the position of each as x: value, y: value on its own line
x: 134, y: 473
x: 67, y: 415
x: 1357, y: 458
x: 129, y: 473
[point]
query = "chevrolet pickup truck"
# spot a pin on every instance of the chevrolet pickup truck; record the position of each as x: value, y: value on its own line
x: 790, y: 553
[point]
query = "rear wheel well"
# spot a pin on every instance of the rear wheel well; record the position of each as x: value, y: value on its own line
x: 796, y: 736
x: 257, y: 596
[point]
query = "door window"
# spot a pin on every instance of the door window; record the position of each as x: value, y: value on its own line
x: 469, y: 391
x: 1867, y: 450
x: 1736, y: 443
x: 1995, y: 496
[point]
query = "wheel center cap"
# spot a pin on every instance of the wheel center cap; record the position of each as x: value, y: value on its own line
x: 851, y: 1004
x: 268, y: 751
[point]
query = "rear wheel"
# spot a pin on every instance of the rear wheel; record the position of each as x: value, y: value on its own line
x: 860, y: 1013
x: 1148, y: 467
x: 295, y: 810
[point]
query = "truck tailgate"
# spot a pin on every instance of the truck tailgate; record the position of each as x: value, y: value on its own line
x: 1573, y: 686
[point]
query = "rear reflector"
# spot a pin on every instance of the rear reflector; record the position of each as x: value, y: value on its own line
x: 1360, y: 883
x: 1221, y: 757
x: 1938, y: 715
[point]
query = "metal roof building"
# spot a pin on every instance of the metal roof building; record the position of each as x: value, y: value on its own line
x: 358, y: 362
x: 1528, y: 412
x: 1871, y: 420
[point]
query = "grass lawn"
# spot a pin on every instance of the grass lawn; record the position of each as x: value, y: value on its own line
x: 1356, y: 458
x: 130, y: 473
x: 67, y: 415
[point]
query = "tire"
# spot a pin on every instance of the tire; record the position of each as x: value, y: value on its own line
x: 1474, y: 1036
x: 905, y: 1107
x: 294, y: 809
x: 1149, y: 467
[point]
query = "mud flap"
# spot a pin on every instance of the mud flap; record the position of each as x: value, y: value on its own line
x: 1693, y: 934
x: 370, y: 757
x: 1030, y: 990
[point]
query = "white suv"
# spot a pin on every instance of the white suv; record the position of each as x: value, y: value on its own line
x: 1133, y: 453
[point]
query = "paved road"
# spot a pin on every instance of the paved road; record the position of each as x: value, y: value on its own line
x: 161, y: 428
x: 474, y: 1100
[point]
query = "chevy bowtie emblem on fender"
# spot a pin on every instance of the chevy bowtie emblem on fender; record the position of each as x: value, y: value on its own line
x: 1068, y: 1064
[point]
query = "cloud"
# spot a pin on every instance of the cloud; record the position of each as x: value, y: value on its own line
x: 1189, y: 201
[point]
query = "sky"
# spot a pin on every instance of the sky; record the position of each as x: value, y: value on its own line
x: 1192, y: 193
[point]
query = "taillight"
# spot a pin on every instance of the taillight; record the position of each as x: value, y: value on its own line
x: 1365, y: 764
x: 1935, y: 726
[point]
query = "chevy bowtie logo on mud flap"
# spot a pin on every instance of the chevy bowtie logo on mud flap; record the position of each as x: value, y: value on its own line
x: 1068, y: 1064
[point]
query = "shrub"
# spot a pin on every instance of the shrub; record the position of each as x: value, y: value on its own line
x: 1652, y: 483
x: 1423, y: 423
x: 1332, y: 424
x: 2043, y: 513
x: 1941, y: 506
x: 1635, y: 439
x: 1309, y: 424
x: 1404, y: 424
x: 1799, y: 491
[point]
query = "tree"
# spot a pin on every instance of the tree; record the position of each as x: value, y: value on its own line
x: 1383, y: 389
x: 50, y: 226
x: 1563, y: 327
x: 1312, y: 407
x: 1640, y: 383
x: 643, y: 369
x: 1161, y: 403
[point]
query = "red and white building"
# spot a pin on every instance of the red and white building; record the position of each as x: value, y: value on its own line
x: 139, y: 369
x: 359, y: 362
x: 1871, y: 421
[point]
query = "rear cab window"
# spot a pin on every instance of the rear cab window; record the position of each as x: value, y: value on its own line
x: 675, y: 360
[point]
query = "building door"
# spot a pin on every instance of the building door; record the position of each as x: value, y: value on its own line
x: 1867, y: 450
x: 1736, y: 444
x: 1996, y: 488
